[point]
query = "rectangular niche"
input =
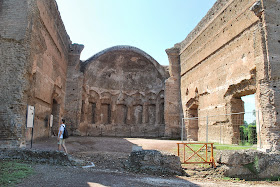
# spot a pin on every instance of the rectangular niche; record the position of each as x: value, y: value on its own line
x: 83, y: 115
x: 137, y: 114
x: 121, y: 114
x: 93, y: 113
x: 151, y: 114
x: 105, y: 113
x: 161, y: 113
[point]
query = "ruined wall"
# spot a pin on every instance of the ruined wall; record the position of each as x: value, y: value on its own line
x: 217, y: 69
x: 35, y: 46
x: 14, y: 43
x: 268, y: 92
x: 123, y: 94
x: 49, y: 55
x: 223, y: 59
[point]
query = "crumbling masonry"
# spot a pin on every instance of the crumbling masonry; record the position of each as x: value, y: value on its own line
x: 122, y: 91
x: 233, y: 52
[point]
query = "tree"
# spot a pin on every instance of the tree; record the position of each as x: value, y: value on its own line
x: 254, y: 112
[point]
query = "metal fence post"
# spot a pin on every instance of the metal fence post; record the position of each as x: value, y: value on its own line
x: 260, y: 145
x: 220, y: 133
x: 182, y: 131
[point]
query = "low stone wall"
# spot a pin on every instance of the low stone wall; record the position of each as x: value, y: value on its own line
x: 38, y: 156
x: 154, y: 162
x: 249, y: 164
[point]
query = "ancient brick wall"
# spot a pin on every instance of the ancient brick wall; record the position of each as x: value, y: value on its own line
x: 217, y: 69
x: 268, y: 93
x: 14, y: 33
x: 122, y: 95
x: 49, y: 56
x: 35, y: 47
x: 225, y: 58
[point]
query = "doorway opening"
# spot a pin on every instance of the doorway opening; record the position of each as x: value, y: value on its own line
x: 248, y: 132
x: 55, y: 113
x: 192, y: 123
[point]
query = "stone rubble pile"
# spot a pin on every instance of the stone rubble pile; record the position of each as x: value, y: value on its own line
x: 249, y: 164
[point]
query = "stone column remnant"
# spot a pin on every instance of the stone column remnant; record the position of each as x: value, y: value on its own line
x: 172, y: 100
x: 74, y: 85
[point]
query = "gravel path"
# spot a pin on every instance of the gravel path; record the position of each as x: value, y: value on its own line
x: 49, y: 176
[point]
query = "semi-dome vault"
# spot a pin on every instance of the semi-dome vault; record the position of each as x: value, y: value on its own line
x: 124, y: 68
x: 120, y: 92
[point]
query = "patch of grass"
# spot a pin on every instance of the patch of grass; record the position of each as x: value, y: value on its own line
x: 245, y: 144
x: 273, y: 179
x: 231, y: 179
x: 254, y: 166
x: 11, y: 172
x: 232, y: 147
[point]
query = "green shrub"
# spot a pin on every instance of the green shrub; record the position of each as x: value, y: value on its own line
x: 248, y: 134
x: 243, y: 134
x: 252, y: 134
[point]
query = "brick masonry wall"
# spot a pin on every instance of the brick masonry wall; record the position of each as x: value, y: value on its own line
x: 232, y: 53
x: 34, y: 55
x: 268, y: 93
x: 49, y: 56
x: 172, y: 99
x: 74, y: 89
x: 14, y: 40
x: 216, y: 63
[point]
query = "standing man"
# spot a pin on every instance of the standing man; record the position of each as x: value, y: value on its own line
x: 61, y: 141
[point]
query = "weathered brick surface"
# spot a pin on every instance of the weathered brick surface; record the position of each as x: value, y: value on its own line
x: 233, y: 52
x: 13, y: 59
x: 48, y: 56
x: 74, y: 88
x: 34, y: 54
x: 172, y: 100
x: 39, y: 65
x: 120, y: 93
x: 268, y: 92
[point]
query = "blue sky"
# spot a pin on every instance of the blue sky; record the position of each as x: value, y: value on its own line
x: 150, y: 25
x: 249, y: 106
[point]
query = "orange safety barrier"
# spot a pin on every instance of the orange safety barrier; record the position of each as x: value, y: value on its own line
x: 204, y: 160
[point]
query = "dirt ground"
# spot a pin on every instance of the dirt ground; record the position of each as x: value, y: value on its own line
x: 107, y: 154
